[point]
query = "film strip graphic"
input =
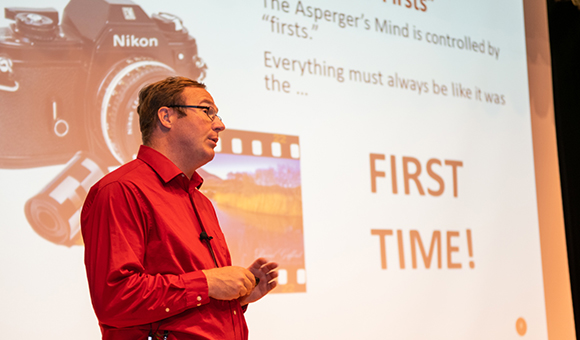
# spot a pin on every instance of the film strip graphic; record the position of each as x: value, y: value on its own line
x: 254, y: 183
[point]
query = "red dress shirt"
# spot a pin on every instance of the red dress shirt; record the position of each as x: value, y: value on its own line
x: 143, y: 254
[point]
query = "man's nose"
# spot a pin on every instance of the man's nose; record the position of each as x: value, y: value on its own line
x: 218, y: 125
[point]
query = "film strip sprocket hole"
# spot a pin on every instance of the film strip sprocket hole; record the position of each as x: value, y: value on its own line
x: 249, y: 143
x: 255, y: 186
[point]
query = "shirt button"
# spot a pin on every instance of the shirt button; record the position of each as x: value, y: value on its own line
x: 235, y: 313
x: 199, y: 304
x: 182, y: 175
x: 167, y: 310
x: 199, y: 298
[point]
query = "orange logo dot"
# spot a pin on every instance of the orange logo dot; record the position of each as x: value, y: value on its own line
x: 521, y: 326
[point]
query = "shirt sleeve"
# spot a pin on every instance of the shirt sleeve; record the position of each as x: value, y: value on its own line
x: 114, y: 224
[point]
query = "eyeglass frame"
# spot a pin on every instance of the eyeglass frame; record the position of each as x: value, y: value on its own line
x: 208, y: 108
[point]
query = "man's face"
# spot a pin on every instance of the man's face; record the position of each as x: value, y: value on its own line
x: 196, y: 135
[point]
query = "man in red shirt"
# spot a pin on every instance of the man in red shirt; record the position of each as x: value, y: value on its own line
x: 157, y: 262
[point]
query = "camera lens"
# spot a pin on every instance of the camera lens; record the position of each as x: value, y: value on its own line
x: 119, y: 118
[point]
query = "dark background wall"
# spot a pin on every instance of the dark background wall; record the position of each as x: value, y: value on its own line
x: 564, y: 25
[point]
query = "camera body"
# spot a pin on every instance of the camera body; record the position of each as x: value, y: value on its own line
x: 74, y: 86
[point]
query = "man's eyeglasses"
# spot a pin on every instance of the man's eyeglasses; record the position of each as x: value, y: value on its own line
x: 208, y: 110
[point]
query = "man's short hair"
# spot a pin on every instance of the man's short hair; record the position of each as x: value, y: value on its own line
x: 162, y: 93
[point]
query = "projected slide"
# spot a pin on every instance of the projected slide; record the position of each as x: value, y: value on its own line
x: 384, y: 152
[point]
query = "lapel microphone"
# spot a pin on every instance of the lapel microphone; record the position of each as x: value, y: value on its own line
x: 204, y: 236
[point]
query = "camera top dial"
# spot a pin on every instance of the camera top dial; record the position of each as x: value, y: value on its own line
x: 36, y: 26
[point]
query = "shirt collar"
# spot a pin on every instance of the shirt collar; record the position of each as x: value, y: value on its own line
x: 164, y: 167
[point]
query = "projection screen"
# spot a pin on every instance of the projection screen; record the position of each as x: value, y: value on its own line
x: 397, y: 158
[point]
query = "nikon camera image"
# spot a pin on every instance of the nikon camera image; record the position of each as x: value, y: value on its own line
x: 74, y: 86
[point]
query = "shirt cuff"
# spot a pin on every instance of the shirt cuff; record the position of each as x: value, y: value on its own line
x: 196, y: 290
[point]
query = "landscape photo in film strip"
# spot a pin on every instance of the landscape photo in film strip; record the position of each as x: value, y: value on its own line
x: 254, y: 184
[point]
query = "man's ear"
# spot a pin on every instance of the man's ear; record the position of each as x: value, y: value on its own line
x: 164, y: 115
